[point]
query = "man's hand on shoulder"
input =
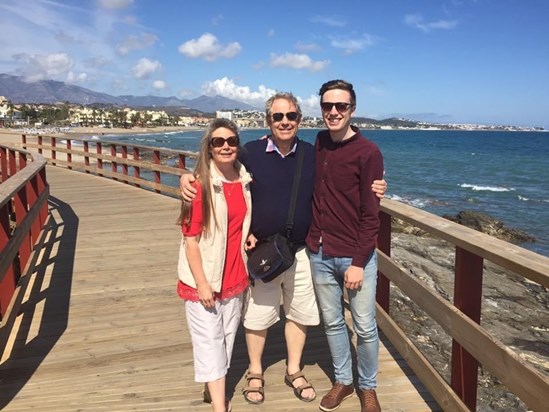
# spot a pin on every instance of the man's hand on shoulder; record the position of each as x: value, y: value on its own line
x: 379, y: 187
x: 188, y: 192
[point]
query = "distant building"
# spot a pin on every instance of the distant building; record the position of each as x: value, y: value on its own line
x: 224, y: 115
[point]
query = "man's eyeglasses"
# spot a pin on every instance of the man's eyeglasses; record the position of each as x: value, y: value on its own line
x: 220, y: 141
x: 291, y: 116
x: 340, y: 107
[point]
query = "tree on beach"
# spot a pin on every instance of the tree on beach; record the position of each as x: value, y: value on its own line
x: 136, y: 119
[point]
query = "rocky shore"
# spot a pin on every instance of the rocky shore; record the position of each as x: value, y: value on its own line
x: 514, y: 310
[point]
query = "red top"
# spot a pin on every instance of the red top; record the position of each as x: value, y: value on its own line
x: 235, y: 277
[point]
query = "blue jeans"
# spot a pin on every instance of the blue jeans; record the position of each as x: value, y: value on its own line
x: 328, y: 277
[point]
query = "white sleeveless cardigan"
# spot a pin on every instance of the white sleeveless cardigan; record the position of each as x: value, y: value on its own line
x: 213, y: 244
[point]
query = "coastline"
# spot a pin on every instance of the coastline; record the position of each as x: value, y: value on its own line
x: 13, y: 136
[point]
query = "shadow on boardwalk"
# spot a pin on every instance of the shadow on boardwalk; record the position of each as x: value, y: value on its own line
x: 32, y: 342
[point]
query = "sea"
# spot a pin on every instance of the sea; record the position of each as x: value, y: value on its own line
x: 500, y: 173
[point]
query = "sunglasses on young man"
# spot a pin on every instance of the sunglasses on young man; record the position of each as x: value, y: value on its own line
x: 340, y: 106
x: 291, y: 116
x: 232, y: 141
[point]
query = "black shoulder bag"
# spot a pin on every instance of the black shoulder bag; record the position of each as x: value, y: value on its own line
x: 275, y: 254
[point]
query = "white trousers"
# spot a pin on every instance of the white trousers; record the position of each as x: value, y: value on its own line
x: 213, y: 331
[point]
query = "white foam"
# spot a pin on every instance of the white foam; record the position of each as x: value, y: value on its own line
x: 413, y: 202
x: 479, y: 188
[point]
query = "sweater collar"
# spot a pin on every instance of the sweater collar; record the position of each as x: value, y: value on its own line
x: 217, y: 179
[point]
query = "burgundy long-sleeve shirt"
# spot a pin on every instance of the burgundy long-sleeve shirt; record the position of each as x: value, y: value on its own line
x: 345, y: 209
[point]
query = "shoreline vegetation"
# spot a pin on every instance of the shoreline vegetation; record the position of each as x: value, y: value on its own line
x: 514, y: 308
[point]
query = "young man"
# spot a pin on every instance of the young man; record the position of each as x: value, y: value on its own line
x: 342, y: 242
x: 272, y: 163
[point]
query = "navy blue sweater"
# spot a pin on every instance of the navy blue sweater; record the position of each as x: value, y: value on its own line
x: 271, y: 189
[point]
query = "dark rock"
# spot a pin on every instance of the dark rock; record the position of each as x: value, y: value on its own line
x: 514, y: 311
x: 491, y: 226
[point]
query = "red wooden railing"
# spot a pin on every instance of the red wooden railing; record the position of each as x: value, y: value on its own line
x: 472, y: 345
x: 121, y: 156
x: 23, y: 214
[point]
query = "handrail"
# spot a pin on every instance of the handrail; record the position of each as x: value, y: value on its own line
x: 121, y: 155
x: 23, y: 215
x: 472, y: 344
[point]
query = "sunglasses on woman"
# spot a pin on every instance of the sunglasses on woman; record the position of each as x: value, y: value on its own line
x: 220, y: 141
x: 340, y: 107
x: 291, y: 116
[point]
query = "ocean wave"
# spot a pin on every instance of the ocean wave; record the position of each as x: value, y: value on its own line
x: 409, y: 201
x: 527, y: 199
x: 479, y: 188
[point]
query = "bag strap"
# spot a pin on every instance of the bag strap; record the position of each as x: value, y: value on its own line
x: 300, y: 153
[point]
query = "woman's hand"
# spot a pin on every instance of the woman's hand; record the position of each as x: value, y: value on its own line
x: 206, y: 295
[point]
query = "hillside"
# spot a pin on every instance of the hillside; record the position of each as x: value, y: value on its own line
x: 15, y: 89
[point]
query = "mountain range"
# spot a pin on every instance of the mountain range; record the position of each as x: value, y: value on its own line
x: 17, y: 90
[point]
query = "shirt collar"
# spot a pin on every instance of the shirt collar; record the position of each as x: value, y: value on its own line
x: 271, y: 147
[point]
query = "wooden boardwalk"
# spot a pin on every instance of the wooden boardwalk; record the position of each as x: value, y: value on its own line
x: 103, y: 329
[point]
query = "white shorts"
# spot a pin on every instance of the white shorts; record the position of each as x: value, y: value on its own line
x: 213, y: 332
x: 262, y: 308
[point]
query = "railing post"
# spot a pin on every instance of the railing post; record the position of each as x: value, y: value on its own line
x: 99, y: 161
x: 12, y: 163
x: 124, y: 151
x: 156, y: 161
x: 114, y: 163
x: 69, y: 154
x: 136, y: 169
x: 40, y: 142
x: 4, y: 163
x: 7, y: 283
x: 20, y: 208
x: 467, y: 298
x: 41, y: 184
x: 53, y: 151
x: 24, y: 141
x: 32, y: 196
x: 384, y: 244
x: 86, y: 158
x: 181, y: 157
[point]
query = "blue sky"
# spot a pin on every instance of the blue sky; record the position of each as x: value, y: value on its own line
x: 454, y: 61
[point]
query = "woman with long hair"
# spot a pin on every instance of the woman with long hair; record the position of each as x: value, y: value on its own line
x: 212, y: 262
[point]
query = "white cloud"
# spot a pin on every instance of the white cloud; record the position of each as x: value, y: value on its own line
x: 208, y: 48
x: 416, y: 21
x: 43, y: 66
x: 350, y: 45
x: 310, y: 106
x: 329, y: 21
x: 145, y: 67
x: 114, y: 4
x: 77, y: 78
x: 159, y: 84
x: 307, y: 47
x: 228, y: 88
x: 132, y: 42
x: 298, y: 61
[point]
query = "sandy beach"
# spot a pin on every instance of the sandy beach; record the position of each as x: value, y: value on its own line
x: 13, y: 136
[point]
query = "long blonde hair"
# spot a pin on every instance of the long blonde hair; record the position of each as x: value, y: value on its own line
x: 202, y: 175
